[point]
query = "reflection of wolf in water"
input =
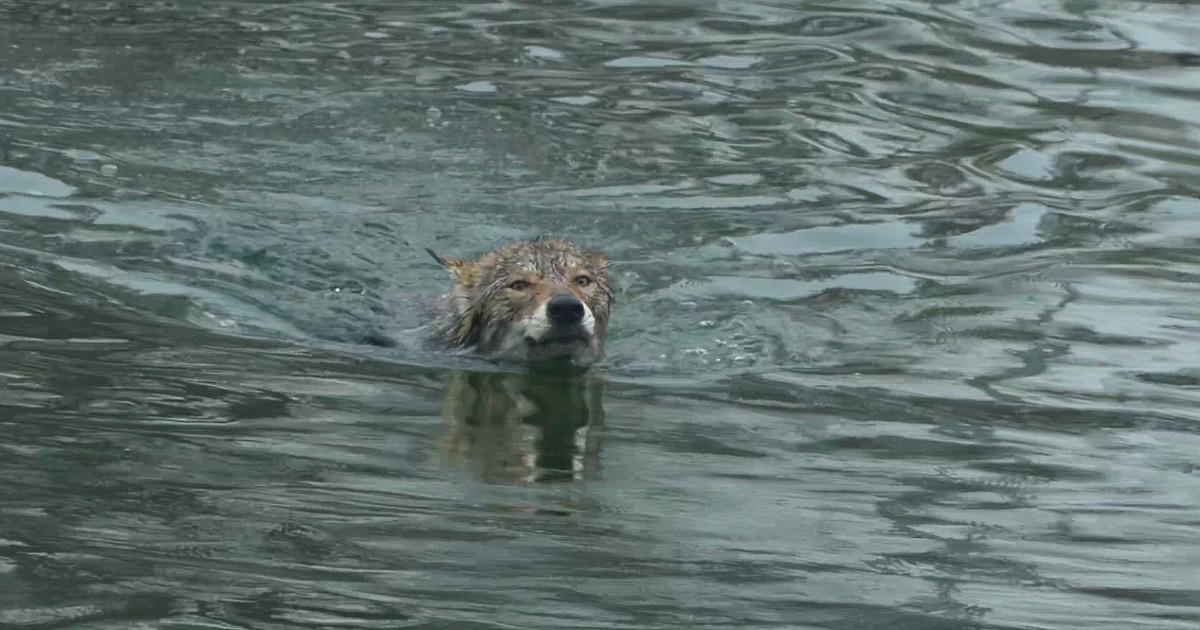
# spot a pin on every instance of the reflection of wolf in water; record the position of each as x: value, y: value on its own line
x: 524, y: 427
x: 545, y: 303
x: 545, y: 299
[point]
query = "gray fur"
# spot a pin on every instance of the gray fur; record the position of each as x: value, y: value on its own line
x: 485, y: 307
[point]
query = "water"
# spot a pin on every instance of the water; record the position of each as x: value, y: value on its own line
x: 906, y: 331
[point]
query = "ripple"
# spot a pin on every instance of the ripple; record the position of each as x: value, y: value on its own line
x: 1028, y: 165
x: 1065, y: 33
x: 34, y: 184
x: 736, y: 179
x: 1021, y: 227
x: 541, y: 52
x: 781, y: 289
x: 33, y: 207
x: 944, y: 179
x: 731, y: 62
x: 477, y: 87
x: 646, y: 62
x: 832, y: 25
x: 820, y: 240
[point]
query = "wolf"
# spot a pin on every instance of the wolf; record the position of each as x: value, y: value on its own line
x: 538, y: 301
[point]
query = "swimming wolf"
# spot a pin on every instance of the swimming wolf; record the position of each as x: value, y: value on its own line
x: 535, y: 301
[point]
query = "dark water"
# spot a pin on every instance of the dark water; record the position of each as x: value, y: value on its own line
x: 908, y: 331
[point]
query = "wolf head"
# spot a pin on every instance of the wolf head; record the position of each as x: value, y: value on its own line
x: 537, y: 300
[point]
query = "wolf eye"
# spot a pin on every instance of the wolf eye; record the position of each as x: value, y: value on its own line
x: 583, y: 281
x: 518, y: 285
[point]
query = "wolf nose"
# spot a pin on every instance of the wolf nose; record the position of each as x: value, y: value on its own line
x: 565, y: 310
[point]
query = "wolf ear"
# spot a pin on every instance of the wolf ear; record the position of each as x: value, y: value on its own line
x: 463, y: 271
x: 599, y: 261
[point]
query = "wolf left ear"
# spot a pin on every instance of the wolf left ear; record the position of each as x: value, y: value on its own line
x: 599, y: 261
x: 463, y: 271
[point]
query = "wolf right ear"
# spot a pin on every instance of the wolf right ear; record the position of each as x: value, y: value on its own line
x: 463, y: 271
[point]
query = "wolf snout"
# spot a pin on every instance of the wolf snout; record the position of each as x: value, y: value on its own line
x: 564, y: 310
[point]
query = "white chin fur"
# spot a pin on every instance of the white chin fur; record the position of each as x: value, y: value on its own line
x: 516, y: 347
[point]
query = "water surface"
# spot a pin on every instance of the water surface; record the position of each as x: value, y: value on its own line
x: 906, y: 335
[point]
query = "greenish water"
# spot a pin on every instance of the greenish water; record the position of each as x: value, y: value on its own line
x: 907, y: 331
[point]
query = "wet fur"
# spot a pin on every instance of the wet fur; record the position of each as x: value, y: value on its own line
x: 486, y: 313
